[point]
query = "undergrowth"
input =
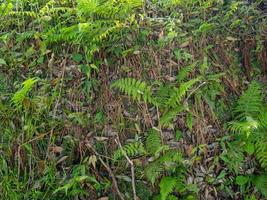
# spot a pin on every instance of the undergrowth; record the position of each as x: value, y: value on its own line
x: 133, y: 99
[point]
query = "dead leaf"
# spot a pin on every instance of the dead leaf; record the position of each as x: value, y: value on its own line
x: 161, y: 34
x: 103, y: 198
x: 185, y: 44
x: 56, y: 149
x: 231, y: 38
x: 101, y: 139
x: 41, y: 166
x: 62, y: 159
x: 92, y: 160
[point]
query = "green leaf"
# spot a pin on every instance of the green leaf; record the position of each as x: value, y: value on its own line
x: 153, y: 141
x: 204, y: 66
x: 166, y: 185
x: 178, y: 135
x: 250, y: 148
x: 189, y: 121
x: 241, y: 180
x: 205, y: 27
x: 77, y: 57
x: 167, y: 118
x: 261, y: 183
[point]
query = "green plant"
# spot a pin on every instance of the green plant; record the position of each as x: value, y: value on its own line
x: 153, y: 141
x: 131, y: 149
x: 166, y: 185
x: 250, y: 136
x: 20, y: 95
x: 190, y: 60
x: 136, y: 89
x: 250, y: 113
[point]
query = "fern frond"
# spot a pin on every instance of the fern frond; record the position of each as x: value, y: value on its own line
x: 153, y: 171
x: 263, y: 119
x: 23, y: 13
x: 172, y: 197
x: 250, y: 103
x: 153, y: 141
x: 244, y: 126
x: 167, y: 118
x: 261, y: 183
x: 171, y: 156
x: 136, y: 89
x: 131, y: 150
x: 261, y: 151
x: 185, y: 71
x: 20, y: 95
x: 107, y: 9
x: 163, y: 94
x: 167, y: 185
x: 179, y: 93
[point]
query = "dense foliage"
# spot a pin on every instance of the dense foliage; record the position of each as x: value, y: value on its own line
x: 133, y: 99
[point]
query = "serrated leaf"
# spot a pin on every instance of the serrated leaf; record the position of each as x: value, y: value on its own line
x: 166, y: 185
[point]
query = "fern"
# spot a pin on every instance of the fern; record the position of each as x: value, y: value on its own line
x: 171, y: 156
x: 89, y: 23
x: 184, y: 72
x: 263, y: 119
x: 153, y: 171
x: 166, y: 119
x: 136, y: 89
x: 153, y: 141
x: 20, y: 95
x: 250, y: 103
x: 107, y: 9
x: 261, y: 183
x: 172, y: 197
x: 169, y: 160
x: 250, y: 119
x: 23, y: 13
x: 131, y: 150
x: 167, y: 185
x: 179, y: 93
x: 244, y: 126
x: 261, y: 151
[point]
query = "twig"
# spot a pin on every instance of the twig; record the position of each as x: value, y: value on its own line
x: 132, y: 167
x: 193, y: 91
x: 36, y: 138
x: 115, y: 184
x: 56, y: 105
x: 159, y: 125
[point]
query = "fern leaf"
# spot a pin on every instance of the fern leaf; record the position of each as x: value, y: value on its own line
x: 263, y: 119
x: 153, y: 141
x: 172, y: 197
x: 261, y: 183
x: 244, y: 126
x: 180, y: 92
x: 136, y: 89
x: 261, y: 151
x: 153, y: 171
x: 131, y: 150
x: 184, y: 72
x: 167, y: 185
x: 250, y: 103
x: 20, y: 95
x: 171, y: 156
x: 162, y: 95
x: 167, y: 118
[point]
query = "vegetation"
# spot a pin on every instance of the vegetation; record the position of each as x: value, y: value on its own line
x: 133, y: 99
